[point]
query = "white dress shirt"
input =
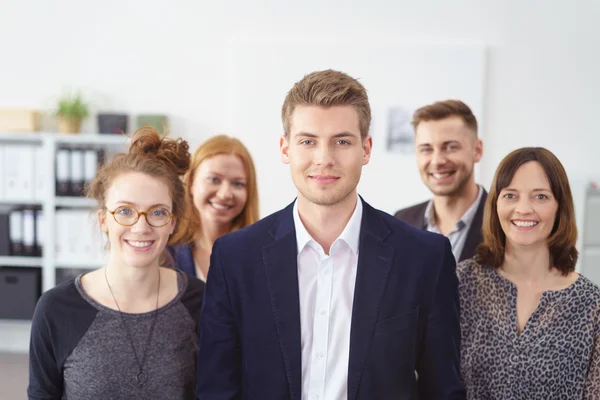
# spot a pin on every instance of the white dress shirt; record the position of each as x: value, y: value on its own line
x: 326, y: 287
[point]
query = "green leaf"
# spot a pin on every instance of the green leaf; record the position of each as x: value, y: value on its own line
x: 72, y: 106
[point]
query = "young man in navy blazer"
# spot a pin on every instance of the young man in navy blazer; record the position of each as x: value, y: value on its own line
x: 329, y: 298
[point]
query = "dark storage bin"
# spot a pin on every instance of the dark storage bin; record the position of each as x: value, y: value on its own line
x: 112, y: 123
x: 20, y: 289
x: 4, y: 233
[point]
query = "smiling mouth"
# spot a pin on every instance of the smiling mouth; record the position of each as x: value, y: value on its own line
x: 221, y: 207
x: 139, y: 244
x: 442, y: 175
x: 524, y: 224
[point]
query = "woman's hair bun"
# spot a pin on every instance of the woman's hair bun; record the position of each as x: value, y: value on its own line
x: 146, y: 141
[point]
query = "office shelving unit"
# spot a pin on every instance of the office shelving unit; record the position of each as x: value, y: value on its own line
x: 49, y: 143
x: 14, y: 335
x: 590, y: 241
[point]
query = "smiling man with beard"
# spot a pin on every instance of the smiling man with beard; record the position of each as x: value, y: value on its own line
x: 447, y: 148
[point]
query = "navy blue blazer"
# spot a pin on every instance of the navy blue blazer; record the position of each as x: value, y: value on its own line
x: 183, y: 258
x: 405, y: 316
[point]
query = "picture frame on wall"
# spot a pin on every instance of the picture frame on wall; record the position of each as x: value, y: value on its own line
x: 400, y: 136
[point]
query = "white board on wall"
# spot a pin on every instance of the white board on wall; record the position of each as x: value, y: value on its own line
x: 261, y: 72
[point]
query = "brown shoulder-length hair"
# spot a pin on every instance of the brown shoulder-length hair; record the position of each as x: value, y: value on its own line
x: 223, y: 144
x: 563, y: 236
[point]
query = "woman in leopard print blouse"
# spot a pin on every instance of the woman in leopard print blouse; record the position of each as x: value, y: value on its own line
x: 530, y: 324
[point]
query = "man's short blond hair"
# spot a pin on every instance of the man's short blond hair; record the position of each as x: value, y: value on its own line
x: 326, y: 89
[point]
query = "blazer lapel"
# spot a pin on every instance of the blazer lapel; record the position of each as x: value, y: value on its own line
x: 374, y: 264
x: 474, y: 236
x: 281, y: 268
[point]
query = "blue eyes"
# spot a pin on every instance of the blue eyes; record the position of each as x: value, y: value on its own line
x: 124, y: 211
x: 159, y: 212
x: 511, y: 196
x: 309, y: 142
x: 216, y: 181
x: 447, y: 148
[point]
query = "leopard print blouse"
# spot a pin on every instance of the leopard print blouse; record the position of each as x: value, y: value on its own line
x: 556, y: 356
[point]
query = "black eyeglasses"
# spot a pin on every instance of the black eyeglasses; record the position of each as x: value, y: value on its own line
x: 128, y: 216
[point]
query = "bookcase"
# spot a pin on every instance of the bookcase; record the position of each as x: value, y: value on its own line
x: 50, y: 263
x: 590, y: 240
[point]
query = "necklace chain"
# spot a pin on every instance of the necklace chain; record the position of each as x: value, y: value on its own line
x: 141, y: 377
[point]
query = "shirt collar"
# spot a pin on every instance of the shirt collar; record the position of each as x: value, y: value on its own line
x: 350, y: 235
x: 465, y: 220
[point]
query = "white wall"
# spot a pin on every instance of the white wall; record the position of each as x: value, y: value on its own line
x: 171, y: 57
x: 154, y: 56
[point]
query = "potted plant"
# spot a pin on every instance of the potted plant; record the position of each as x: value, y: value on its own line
x: 71, y: 111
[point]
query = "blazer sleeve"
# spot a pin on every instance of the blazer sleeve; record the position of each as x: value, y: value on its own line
x: 183, y: 258
x: 438, y: 366
x: 219, y: 367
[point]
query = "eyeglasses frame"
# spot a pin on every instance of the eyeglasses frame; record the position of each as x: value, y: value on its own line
x: 139, y: 213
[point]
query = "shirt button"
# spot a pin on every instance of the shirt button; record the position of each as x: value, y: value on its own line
x: 320, y: 355
x: 323, y: 312
x: 315, y: 397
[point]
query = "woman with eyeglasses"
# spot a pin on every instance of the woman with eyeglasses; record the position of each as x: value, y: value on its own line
x: 127, y: 330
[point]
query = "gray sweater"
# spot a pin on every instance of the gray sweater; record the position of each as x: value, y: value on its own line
x: 79, y: 349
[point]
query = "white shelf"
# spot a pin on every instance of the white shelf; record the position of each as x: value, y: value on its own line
x: 22, y: 202
x: 17, y: 261
x: 15, y: 335
x: 81, y: 202
x: 32, y: 137
x: 92, y: 138
x: 79, y: 138
x: 79, y: 264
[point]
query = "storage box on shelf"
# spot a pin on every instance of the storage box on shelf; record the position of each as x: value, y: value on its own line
x: 19, y: 292
x: 20, y: 119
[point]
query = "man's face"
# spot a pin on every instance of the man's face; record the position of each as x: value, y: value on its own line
x: 447, y: 151
x: 325, y: 153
